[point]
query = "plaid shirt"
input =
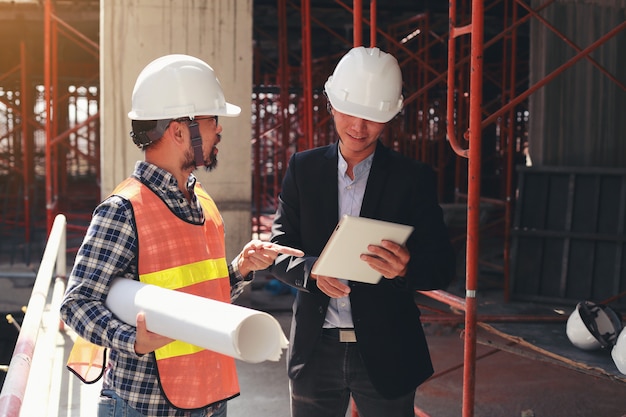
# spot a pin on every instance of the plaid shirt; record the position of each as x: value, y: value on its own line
x: 109, y: 250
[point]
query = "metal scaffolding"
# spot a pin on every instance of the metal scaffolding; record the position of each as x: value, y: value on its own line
x: 49, y: 134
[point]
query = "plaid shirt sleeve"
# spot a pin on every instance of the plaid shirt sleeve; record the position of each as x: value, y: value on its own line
x: 237, y: 281
x: 108, y: 251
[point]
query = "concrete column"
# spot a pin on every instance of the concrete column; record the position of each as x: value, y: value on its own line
x: 133, y: 33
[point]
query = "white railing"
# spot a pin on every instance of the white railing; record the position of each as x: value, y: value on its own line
x: 52, y: 264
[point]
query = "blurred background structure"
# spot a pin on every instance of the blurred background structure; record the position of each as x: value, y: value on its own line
x: 551, y: 149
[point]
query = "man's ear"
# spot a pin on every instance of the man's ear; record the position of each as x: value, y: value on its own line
x: 176, y: 130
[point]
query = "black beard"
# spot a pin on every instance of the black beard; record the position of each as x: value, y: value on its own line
x: 190, y: 161
x: 211, y: 163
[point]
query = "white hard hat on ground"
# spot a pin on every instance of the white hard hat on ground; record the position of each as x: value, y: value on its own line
x: 178, y: 85
x: 366, y: 83
x: 593, y: 326
x: 618, y: 353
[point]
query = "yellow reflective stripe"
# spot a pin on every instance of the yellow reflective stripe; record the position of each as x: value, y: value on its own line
x: 186, y: 275
x: 176, y: 348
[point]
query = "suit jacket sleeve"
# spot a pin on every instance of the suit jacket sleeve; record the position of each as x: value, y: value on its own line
x: 298, y: 222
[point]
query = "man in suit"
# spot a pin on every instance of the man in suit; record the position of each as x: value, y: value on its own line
x: 350, y: 338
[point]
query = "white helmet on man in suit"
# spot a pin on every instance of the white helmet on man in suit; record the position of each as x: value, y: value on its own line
x: 366, y: 83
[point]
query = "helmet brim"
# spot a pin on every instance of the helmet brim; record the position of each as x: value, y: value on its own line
x: 228, y: 110
x: 360, y: 111
x: 231, y: 110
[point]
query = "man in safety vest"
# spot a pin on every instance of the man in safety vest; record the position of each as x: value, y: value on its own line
x: 160, y: 227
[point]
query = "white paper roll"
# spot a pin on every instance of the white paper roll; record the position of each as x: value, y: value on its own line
x: 243, y: 333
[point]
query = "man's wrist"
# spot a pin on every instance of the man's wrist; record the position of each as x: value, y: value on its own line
x: 237, y: 281
x: 237, y: 272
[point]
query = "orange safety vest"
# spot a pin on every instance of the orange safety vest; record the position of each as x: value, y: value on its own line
x: 190, y: 258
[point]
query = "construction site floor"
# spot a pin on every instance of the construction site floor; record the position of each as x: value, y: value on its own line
x: 516, y: 373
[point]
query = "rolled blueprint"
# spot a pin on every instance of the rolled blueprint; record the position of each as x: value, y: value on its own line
x: 242, y: 333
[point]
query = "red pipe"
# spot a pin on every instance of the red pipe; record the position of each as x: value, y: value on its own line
x: 473, y: 204
x: 26, y: 169
x: 256, y: 146
x: 357, y: 22
x: 283, y: 82
x: 454, y: 32
x: 492, y: 318
x: 92, y: 47
x: 48, y: 87
x: 446, y: 298
x: 393, y: 41
x: 307, y: 73
x: 510, y: 149
x: 373, y: 23
x: 322, y: 25
x: 54, y: 161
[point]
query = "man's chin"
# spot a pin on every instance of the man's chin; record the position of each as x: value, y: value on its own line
x: 210, y: 166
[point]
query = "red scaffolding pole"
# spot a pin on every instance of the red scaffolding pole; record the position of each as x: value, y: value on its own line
x: 307, y: 76
x: 26, y: 147
x: 50, y: 199
x: 473, y: 154
x: 357, y: 22
x: 58, y: 145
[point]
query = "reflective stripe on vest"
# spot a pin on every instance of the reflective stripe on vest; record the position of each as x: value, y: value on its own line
x: 190, y: 258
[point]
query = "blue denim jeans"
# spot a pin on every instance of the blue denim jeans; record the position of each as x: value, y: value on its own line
x: 111, y: 405
x: 333, y: 374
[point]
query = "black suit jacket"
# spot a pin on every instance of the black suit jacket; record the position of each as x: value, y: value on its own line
x: 386, y: 319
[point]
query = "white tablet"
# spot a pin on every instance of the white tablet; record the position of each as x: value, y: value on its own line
x: 341, y: 255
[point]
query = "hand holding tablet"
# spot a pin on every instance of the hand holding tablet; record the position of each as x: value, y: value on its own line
x: 340, y: 258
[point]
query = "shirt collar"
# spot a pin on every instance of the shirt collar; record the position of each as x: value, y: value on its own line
x: 160, y: 179
x: 359, y: 169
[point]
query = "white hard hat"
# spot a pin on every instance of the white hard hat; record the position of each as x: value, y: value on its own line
x: 367, y: 83
x: 177, y: 85
x: 593, y: 326
x: 618, y: 353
